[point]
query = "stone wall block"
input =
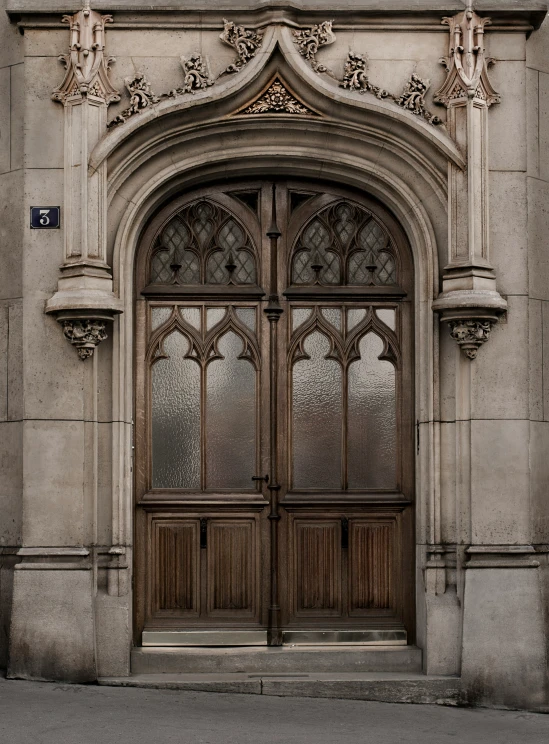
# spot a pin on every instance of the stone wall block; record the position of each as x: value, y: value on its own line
x: 535, y: 349
x: 500, y: 482
x: 443, y: 636
x: 506, y: 46
x: 545, y: 337
x: 49, y: 42
x: 17, y: 104
x: 503, y: 638
x: 5, y: 120
x: 11, y: 235
x: 509, y: 231
x: 499, y: 389
x: 532, y: 120
x: 11, y: 483
x: 536, y: 48
x: 52, y: 632
x: 53, y: 475
x: 54, y: 375
x: 113, y: 629
x: 4, y: 339
x: 539, y: 481
x: 543, y: 119
x: 538, y: 238
x: 44, y: 140
x: 15, y: 361
x: 161, y: 42
x: 507, y: 140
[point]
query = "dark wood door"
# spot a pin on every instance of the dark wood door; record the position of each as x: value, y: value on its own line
x: 274, y: 436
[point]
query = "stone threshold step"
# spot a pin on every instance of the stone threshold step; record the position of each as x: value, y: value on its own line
x: 287, y: 659
x: 379, y: 687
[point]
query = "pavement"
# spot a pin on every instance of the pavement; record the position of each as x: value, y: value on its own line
x: 52, y: 713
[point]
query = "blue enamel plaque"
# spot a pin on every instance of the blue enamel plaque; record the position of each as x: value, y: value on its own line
x: 45, y: 218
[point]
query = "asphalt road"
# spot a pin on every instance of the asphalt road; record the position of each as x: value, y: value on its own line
x: 48, y: 713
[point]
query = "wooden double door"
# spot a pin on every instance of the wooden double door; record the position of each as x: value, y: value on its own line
x: 274, y: 435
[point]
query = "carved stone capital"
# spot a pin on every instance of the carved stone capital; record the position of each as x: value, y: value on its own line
x: 470, y: 323
x: 84, y: 334
x: 86, y: 64
x: 466, y: 63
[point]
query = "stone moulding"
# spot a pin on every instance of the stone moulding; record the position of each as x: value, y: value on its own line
x: 244, y: 41
x: 310, y: 40
x: 87, y: 66
x: 277, y: 99
x: 141, y: 97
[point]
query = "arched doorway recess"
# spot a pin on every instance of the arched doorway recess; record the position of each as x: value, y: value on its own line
x: 274, y: 419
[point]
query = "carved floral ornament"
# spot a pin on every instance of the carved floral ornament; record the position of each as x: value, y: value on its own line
x: 84, y: 334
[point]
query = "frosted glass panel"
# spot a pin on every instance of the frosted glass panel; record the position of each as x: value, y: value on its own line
x: 176, y: 417
x: 333, y: 316
x: 316, y: 417
x: 213, y: 316
x: 191, y: 315
x: 387, y: 316
x: 371, y: 418
x: 230, y: 418
x: 246, y: 315
x: 354, y: 317
x: 159, y: 315
x: 300, y: 315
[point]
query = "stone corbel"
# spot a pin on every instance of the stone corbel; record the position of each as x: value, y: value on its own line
x: 84, y: 300
x: 469, y: 302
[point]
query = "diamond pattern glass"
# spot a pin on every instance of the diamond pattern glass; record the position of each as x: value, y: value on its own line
x: 203, y: 244
x: 343, y: 244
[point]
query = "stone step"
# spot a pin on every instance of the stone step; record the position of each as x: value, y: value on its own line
x: 379, y: 687
x: 285, y: 659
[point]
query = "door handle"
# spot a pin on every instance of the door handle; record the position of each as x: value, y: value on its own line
x: 260, y: 478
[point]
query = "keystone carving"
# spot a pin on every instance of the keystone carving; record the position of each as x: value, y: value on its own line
x: 197, y: 76
x: 86, y: 65
x: 141, y: 97
x: 310, y: 40
x: 85, y: 335
x: 277, y: 100
x: 466, y: 63
x: 355, y: 77
x: 245, y: 41
x: 413, y: 98
x: 470, y: 334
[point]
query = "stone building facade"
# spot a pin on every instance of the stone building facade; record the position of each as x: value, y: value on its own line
x: 278, y: 376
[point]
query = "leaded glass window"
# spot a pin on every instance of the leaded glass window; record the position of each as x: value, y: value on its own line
x: 344, y: 245
x: 203, y: 244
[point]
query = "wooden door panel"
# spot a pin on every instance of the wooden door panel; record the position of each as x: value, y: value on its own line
x: 176, y: 567
x: 317, y: 567
x: 371, y: 566
x: 232, y: 568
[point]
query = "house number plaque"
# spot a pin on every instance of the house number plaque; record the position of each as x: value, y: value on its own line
x: 45, y: 218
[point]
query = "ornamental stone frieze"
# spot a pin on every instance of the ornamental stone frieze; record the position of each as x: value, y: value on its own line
x: 141, y: 97
x: 310, y: 40
x: 277, y: 99
x: 355, y: 76
x: 412, y: 99
x: 469, y: 301
x: 86, y: 64
x: 244, y: 41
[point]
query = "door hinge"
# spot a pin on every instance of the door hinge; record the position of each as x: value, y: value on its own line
x: 344, y: 533
x: 203, y: 532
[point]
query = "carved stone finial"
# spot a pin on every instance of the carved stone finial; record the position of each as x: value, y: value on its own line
x: 467, y: 64
x: 310, y: 40
x: 86, y: 65
x: 245, y: 41
x: 85, y: 335
x: 141, y: 97
x: 197, y: 76
x: 277, y: 100
x: 355, y: 77
x: 413, y: 98
x: 471, y: 334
